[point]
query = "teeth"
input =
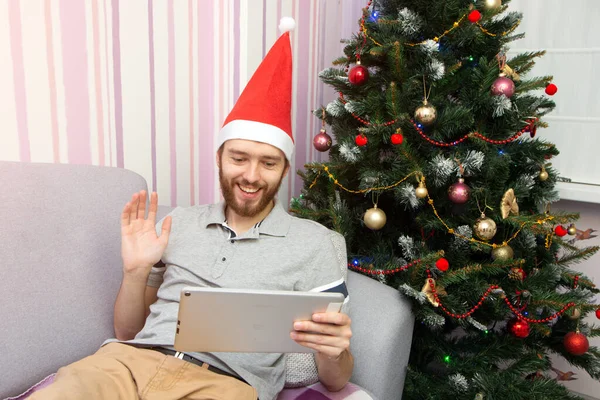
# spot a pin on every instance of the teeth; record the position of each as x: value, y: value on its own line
x: 248, y: 190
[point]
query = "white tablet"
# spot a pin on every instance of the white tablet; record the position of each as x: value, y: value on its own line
x: 249, y: 321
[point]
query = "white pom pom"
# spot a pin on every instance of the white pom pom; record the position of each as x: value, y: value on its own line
x: 287, y: 24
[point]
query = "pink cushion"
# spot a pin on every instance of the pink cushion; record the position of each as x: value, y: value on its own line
x: 38, y: 386
x: 312, y: 392
x: 318, y: 392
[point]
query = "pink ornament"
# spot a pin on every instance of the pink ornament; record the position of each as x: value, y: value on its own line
x: 503, y: 85
x: 358, y: 75
x: 459, y: 192
x: 322, y: 141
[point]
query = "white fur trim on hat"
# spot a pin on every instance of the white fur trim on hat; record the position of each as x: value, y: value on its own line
x: 287, y: 24
x: 258, y: 132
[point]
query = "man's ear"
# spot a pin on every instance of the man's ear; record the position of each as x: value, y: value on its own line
x: 219, y: 153
x: 286, y: 169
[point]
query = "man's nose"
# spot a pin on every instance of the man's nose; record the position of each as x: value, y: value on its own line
x: 252, y: 173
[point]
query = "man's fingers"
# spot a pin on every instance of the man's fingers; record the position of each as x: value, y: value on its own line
x: 166, y: 228
x: 141, y: 212
x: 332, y: 352
x: 133, y: 206
x: 153, y: 208
x: 335, y: 318
x: 125, y: 215
x: 328, y: 345
x: 323, y: 329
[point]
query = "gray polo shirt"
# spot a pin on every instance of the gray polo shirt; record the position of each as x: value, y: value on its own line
x: 280, y: 253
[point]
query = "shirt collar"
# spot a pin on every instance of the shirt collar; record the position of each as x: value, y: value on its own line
x: 277, y: 223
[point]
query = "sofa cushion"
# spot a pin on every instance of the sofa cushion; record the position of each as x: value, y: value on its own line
x: 61, y: 264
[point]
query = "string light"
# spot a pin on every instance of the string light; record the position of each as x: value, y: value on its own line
x: 455, y: 25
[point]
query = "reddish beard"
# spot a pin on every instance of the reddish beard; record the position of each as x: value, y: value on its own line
x: 247, y: 209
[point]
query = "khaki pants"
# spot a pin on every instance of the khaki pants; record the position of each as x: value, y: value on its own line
x: 120, y: 371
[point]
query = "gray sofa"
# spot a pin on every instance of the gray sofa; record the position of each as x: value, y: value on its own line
x: 61, y: 270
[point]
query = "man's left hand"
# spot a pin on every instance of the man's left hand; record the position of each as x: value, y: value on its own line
x: 328, y: 333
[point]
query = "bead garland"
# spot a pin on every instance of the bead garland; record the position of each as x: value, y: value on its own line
x: 363, y: 121
x: 516, y: 311
x: 383, y: 271
x: 362, y: 191
x: 468, y: 313
x: 472, y: 240
x: 541, y: 320
x: 468, y: 135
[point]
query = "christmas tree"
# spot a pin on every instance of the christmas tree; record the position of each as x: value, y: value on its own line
x: 442, y: 190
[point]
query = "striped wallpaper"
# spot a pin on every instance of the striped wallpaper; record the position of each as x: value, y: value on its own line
x: 145, y: 85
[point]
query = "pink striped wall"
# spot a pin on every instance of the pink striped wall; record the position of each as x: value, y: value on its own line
x: 146, y: 84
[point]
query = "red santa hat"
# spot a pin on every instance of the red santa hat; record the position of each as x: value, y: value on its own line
x: 263, y: 111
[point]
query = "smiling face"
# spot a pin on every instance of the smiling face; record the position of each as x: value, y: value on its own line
x: 250, y: 174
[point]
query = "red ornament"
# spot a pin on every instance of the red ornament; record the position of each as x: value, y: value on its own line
x: 442, y: 264
x: 358, y: 75
x: 560, y: 231
x: 551, y: 89
x: 598, y: 313
x: 474, y: 16
x: 576, y: 343
x: 397, y: 138
x: 361, y: 140
x: 518, y: 327
x: 532, y: 129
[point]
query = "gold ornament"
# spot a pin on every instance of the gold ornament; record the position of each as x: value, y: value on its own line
x: 575, y: 314
x: 509, y: 204
x: 428, y: 291
x: 484, y: 227
x: 493, y: 4
x: 517, y: 274
x: 421, y: 191
x: 426, y: 114
x: 511, y: 73
x: 375, y: 218
x: 572, y: 230
x: 503, y: 253
x: 543, y: 174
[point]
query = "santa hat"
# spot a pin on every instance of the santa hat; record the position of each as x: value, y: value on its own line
x: 262, y: 113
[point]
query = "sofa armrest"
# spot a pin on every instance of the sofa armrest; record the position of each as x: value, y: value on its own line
x: 382, y: 326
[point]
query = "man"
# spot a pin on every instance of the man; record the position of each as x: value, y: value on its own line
x: 248, y: 241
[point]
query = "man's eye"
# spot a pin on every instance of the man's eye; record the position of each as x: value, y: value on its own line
x: 270, y: 164
x: 238, y: 159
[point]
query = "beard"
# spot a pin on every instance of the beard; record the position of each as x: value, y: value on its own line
x: 247, y: 209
